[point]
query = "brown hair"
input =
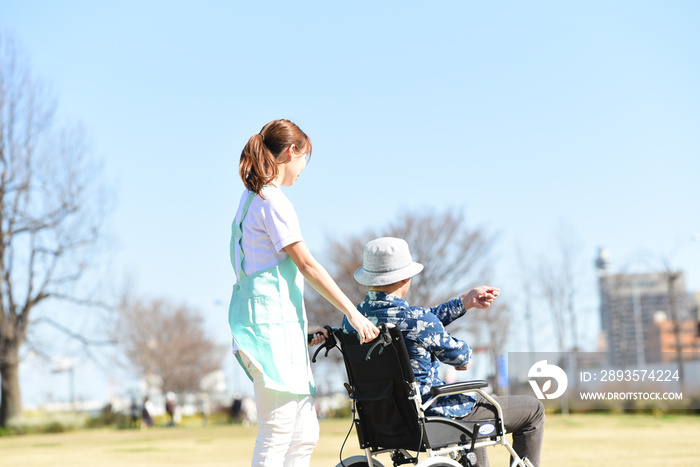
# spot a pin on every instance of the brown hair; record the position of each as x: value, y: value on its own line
x: 258, y: 165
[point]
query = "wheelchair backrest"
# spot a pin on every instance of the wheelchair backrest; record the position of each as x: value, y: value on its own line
x: 382, y: 384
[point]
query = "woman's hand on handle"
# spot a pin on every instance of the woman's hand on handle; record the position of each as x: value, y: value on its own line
x: 319, y: 335
x: 364, y: 327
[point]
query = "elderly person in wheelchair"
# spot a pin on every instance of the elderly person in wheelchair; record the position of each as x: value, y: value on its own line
x: 387, y: 271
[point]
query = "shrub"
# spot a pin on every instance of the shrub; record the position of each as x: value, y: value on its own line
x: 108, y: 417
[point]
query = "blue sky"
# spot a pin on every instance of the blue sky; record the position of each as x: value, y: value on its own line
x: 525, y: 115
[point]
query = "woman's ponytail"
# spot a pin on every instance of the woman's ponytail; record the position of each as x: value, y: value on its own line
x: 258, y: 165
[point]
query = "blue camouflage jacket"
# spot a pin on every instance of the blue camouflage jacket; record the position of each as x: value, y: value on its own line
x: 427, y: 341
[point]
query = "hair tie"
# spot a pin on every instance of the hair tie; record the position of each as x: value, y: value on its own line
x: 262, y: 136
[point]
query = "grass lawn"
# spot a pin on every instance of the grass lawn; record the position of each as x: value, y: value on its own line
x: 570, y: 441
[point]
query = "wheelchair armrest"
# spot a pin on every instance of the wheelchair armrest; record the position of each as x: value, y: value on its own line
x: 457, y: 388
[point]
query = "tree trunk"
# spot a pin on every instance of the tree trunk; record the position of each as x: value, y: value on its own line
x: 675, y: 315
x: 11, y: 402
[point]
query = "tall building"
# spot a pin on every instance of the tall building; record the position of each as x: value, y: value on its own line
x: 628, y: 305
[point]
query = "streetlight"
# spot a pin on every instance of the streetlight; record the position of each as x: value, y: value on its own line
x: 66, y: 365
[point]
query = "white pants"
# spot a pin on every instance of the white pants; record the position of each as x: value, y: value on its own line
x: 287, y: 425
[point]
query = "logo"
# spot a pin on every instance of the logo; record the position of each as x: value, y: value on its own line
x: 542, y: 370
x: 487, y: 429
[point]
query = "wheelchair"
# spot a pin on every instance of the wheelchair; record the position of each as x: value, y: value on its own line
x: 389, y: 416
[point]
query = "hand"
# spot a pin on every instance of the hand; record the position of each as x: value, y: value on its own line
x: 480, y: 297
x: 463, y: 367
x: 319, y: 335
x: 364, y: 327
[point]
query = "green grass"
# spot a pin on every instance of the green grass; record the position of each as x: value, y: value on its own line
x: 575, y: 440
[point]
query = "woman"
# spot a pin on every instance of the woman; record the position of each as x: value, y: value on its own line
x: 267, y: 315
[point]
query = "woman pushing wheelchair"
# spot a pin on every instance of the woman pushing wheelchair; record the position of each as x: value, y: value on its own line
x: 267, y: 315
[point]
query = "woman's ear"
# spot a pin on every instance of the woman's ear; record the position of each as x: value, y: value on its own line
x: 286, y: 155
x: 294, y: 151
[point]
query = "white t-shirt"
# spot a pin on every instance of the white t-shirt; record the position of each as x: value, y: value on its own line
x: 270, y: 225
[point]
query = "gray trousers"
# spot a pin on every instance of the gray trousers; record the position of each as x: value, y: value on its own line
x: 523, y: 417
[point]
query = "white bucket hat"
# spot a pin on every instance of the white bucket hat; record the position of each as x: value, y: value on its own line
x: 386, y: 260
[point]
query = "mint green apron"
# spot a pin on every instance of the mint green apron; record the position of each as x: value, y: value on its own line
x: 268, y: 320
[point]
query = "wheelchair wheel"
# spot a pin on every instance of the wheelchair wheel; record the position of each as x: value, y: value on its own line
x: 438, y: 462
x: 358, y: 461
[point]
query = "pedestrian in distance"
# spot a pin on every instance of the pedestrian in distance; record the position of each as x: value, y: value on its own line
x: 134, y: 414
x: 204, y: 406
x: 267, y: 315
x: 171, y: 408
x: 146, y: 413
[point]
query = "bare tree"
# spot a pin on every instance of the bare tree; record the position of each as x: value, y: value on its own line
x: 678, y: 311
x: 671, y: 278
x: 50, y: 212
x: 559, y: 284
x: 526, y: 279
x: 454, y: 257
x: 490, y: 329
x: 553, y: 288
x: 167, y: 344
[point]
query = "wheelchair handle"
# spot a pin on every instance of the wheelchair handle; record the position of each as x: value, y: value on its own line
x: 383, y: 339
x: 329, y: 343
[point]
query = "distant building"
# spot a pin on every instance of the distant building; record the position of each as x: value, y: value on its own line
x: 662, y: 340
x: 628, y: 305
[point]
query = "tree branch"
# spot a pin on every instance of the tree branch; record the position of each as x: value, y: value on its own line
x: 73, y: 335
x: 79, y: 301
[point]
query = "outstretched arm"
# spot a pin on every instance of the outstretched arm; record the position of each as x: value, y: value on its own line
x: 324, y: 284
x: 479, y: 297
